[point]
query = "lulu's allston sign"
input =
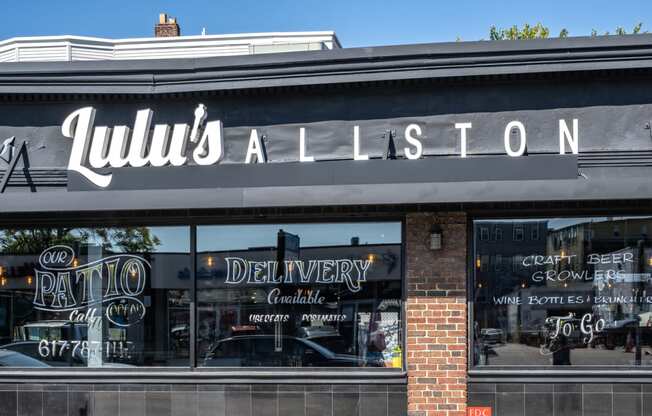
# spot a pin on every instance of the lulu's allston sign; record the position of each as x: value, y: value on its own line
x: 98, y: 151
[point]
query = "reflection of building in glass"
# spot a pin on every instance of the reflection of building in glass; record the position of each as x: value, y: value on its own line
x: 589, y: 275
x: 311, y: 300
x: 612, y: 255
x: 84, y: 331
x: 499, y: 254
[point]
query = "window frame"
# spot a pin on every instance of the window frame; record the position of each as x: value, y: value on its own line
x: 498, y: 234
x: 402, y: 268
x: 520, y: 227
x: 535, y: 232
x: 192, y: 372
x: 533, y: 373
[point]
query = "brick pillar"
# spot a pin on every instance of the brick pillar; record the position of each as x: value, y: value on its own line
x: 436, y: 315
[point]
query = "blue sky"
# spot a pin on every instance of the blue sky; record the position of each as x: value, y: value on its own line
x: 356, y: 22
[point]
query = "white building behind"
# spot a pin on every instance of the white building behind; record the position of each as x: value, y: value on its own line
x: 167, y: 45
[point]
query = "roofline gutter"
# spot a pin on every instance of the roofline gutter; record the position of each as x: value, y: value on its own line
x: 385, y: 63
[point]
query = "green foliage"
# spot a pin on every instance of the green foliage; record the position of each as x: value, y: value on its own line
x: 35, y: 240
x: 539, y: 31
x: 622, y: 31
x: 128, y: 240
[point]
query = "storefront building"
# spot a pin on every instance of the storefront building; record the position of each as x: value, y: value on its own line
x: 441, y: 229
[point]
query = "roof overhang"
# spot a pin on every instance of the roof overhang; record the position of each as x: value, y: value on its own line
x: 354, y: 65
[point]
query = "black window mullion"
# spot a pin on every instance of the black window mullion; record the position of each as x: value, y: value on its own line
x: 193, y: 296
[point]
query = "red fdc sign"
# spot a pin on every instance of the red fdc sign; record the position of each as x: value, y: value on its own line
x: 478, y: 411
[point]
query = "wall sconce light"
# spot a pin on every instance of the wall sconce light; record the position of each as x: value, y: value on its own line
x: 435, y: 237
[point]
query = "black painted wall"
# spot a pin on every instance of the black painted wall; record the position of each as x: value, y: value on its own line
x: 515, y: 399
x: 202, y: 400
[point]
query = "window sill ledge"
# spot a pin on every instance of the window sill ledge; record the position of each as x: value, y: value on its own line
x: 206, y: 376
x: 577, y: 375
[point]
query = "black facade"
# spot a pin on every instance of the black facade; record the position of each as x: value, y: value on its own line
x: 300, y: 169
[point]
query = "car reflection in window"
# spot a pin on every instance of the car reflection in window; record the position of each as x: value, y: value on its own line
x: 15, y: 359
x: 30, y: 335
x: 273, y: 351
x: 326, y: 336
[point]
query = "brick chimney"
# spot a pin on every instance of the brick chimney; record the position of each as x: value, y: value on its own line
x: 166, y: 27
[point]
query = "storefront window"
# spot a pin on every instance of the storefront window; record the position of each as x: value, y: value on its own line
x: 579, y: 293
x: 290, y: 295
x: 293, y: 295
x: 94, y: 297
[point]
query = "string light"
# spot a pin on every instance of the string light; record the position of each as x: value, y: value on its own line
x: 371, y: 258
x: 75, y: 262
x: 29, y: 280
x: 3, y: 281
x: 478, y: 263
x: 209, y: 261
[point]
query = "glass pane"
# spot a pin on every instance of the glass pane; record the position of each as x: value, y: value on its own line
x: 293, y: 295
x: 563, y: 292
x: 94, y: 297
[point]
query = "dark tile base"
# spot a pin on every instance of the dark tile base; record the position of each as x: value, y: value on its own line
x: 542, y: 399
x: 202, y: 400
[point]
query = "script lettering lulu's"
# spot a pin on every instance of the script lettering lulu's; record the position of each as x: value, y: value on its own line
x: 116, y: 281
x: 349, y: 272
x: 102, y: 146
